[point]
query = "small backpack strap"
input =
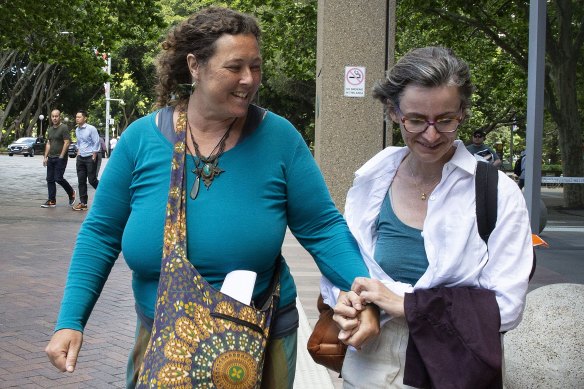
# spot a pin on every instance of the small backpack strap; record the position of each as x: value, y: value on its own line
x: 486, y: 180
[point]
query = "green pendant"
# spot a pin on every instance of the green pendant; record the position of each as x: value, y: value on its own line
x: 207, y: 170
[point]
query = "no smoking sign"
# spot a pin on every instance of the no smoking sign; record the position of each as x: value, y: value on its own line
x: 354, y: 81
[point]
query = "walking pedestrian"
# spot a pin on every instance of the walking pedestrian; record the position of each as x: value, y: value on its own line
x: 191, y: 161
x: 113, y: 143
x: 88, y: 147
x: 445, y: 296
x: 479, y: 148
x: 58, y: 140
x: 100, y: 154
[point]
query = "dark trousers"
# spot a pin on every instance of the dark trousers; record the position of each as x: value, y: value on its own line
x: 55, y: 170
x: 86, y: 171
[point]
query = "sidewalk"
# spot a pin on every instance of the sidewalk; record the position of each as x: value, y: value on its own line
x: 36, y: 246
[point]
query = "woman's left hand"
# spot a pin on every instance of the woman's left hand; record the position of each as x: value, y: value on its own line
x: 368, y: 327
x: 374, y: 291
x: 346, y: 312
x: 358, y: 323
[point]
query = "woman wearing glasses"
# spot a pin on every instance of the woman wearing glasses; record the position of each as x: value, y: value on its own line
x: 412, y: 211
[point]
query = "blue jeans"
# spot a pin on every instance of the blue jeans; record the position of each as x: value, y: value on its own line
x: 55, y: 170
x: 86, y: 171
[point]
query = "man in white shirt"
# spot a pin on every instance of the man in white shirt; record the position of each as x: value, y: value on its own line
x: 88, y: 145
x: 113, y: 143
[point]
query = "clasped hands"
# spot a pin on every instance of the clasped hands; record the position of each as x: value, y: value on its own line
x: 357, y: 311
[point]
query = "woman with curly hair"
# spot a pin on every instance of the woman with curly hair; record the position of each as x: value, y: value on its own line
x: 248, y: 177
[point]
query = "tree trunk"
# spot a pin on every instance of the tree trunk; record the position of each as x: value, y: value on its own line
x: 562, y: 100
x: 570, y: 137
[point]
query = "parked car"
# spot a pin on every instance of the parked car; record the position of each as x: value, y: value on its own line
x: 72, y: 150
x: 28, y: 146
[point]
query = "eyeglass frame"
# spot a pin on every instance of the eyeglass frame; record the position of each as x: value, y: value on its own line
x: 429, y: 123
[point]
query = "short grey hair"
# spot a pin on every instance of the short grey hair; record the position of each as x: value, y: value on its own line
x: 426, y: 67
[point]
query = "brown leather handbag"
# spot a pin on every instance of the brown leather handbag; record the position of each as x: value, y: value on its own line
x: 324, y: 345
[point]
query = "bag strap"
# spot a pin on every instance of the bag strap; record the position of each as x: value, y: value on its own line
x: 486, y: 182
x: 175, y: 235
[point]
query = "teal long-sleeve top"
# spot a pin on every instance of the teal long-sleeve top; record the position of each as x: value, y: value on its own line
x: 271, y: 181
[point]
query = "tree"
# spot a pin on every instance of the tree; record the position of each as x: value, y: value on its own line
x: 501, y: 26
x: 54, y: 43
x: 288, y: 46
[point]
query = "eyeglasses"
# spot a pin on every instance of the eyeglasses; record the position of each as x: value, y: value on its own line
x: 418, y: 125
x: 478, y: 136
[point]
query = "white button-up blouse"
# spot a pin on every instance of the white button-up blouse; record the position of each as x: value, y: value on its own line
x: 457, y: 256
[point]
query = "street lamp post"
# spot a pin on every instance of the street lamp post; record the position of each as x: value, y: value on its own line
x: 107, y: 103
x: 108, y: 119
x: 41, y: 118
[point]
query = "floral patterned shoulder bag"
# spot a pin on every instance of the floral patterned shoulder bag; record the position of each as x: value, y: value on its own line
x: 201, y: 337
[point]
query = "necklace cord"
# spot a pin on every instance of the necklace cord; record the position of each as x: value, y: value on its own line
x: 423, y: 194
x: 206, y: 167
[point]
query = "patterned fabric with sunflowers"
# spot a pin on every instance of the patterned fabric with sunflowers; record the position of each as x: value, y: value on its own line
x: 201, y: 338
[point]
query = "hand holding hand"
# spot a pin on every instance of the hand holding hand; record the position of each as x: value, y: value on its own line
x: 368, y: 327
x: 374, y: 291
x: 345, y: 313
x: 63, y: 349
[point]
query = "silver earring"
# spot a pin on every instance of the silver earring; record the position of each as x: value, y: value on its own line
x: 193, y: 86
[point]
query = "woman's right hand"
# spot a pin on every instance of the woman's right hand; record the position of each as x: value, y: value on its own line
x: 372, y: 290
x: 63, y: 349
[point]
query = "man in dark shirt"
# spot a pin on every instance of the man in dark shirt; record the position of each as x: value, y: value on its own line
x: 58, y: 139
x: 477, y: 147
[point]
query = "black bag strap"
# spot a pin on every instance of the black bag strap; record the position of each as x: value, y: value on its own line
x: 486, y: 181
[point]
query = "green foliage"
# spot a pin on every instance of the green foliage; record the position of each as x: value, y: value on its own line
x: 68, y: 32
x: 493, y: 38
x: 501, y: 84
x: 288, y: 46
x: 67, y: 35
x: 547, y: 169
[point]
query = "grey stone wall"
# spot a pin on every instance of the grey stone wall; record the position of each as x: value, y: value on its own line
x: 349, y: 130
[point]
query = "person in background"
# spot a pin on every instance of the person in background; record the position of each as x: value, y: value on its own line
x: 88, y: 147
x: 113, y: 143
x: 519, y: 169
x: 478, y: 148
x: 412, y: 210
x: 55, y: 159
x: 102, y: 152
x: 261, y: 178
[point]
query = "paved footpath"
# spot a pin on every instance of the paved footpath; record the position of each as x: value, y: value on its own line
x: 35, y: 248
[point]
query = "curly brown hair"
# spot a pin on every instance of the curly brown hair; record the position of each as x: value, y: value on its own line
x: 196, y: 35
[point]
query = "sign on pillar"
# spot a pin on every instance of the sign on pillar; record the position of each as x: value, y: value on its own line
x: 354, y: 81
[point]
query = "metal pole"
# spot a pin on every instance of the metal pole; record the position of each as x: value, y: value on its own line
x: 513, y: 130
x: 107, y: 104
x: 41, y: 118
x: 535, y: 90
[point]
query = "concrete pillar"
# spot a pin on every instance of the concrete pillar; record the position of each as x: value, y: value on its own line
x: 354, y: 37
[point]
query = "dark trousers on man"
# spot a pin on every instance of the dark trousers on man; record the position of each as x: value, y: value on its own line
x: 55, y: 170
x: 86, y: 171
